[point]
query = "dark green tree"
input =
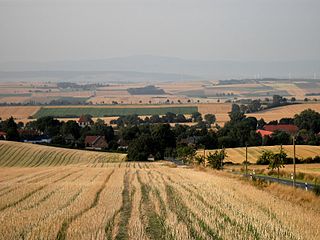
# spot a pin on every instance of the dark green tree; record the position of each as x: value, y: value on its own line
x: 141, y: 148
x: 210, y: 118
x: 72, y: 128
x: 309, y: 120
x: 164, y: 137
x: 215, y: 159
x: 48, y: 125
x: 266, y: 158
x: 11, y: 128
x: 196, y: 116
x: 277, y: 161
x: 186, y: 153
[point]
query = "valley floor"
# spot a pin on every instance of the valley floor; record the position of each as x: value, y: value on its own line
x: 143, y: 201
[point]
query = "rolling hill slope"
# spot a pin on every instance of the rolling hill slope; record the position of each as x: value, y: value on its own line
x: 16, y: 154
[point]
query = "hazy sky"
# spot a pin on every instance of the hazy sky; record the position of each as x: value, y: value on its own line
x: 45, y: 30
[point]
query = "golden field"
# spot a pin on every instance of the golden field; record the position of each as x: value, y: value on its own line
x: 285, y: 111
x: 17, y: 112
x: 31, y: 155
x: 71, y: 194
x: 144, y: 201
x: 311, y: 169
x: 237, y: 155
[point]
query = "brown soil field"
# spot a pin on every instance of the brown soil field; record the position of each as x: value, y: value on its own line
x: 14, y: 99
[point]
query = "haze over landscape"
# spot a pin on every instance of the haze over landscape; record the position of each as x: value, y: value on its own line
x: 159, y: 119
x: 218, y: 39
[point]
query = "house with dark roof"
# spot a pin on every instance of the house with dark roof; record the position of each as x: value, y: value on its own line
x: 85, y: 120
x: 288, y: 128
x: 95, y: 142
x: 3, y: 135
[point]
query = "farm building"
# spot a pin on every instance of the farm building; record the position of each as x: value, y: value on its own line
x: 289, y: 128
x: 264, y: 132
x: 3, y: 135
x: 95, y: 142
x: 85, y: 120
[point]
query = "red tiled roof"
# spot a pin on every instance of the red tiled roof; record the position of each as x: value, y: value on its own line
x: 90, y: 139
x: 85, y: 119
x: 264, y: 132
x: 289, y: 128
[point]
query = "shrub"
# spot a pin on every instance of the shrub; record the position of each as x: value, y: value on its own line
x: 215, y: 160
x: 316, y: 190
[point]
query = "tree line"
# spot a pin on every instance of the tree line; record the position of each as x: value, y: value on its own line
x: 155, y: 137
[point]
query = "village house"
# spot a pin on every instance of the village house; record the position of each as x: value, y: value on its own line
x: 3, y: 135
x: 288, y: 128
x: 85, y: 120
x: 264, y: 132
x: 95, y: 142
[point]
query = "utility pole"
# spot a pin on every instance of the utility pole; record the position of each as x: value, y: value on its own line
x: 294, y: 161
x: 281, y: 162
x: 246, y: 162
x: 204, y: 156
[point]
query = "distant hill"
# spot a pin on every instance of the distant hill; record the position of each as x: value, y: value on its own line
x: 181, y: 68
x: 93, y: 76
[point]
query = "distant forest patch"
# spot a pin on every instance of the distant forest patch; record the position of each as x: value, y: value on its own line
x: 147, y: 90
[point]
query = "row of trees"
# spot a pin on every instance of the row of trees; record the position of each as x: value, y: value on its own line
x: 214, y: 159
x: 160, y: 139
x: 169, y: 117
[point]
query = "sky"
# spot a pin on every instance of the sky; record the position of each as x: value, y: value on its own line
x: 238, y: 30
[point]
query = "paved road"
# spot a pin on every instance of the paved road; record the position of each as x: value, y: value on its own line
x: 265, y: 178
x: 285, y: 182
x: 176, y: 161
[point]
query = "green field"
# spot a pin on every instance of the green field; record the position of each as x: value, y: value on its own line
x: 15, y: 95
x: 61, y: 112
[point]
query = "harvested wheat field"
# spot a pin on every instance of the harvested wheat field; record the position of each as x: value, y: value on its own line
x: 17, y: 112
x: 237, y: 155
x: 284, y: 112
x: 311, y: 169
x: 143, y: 201
x: 30, y: 155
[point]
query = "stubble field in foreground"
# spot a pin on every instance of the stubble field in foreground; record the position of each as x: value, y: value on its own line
x: 143, y: 201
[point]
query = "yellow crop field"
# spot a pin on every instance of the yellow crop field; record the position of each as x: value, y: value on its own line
x: 237, y: 155
x: 17, y: 112
x: 30, y: 155
x: 312, y: 169
x: 284, y: 112
x: 143, y: 201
